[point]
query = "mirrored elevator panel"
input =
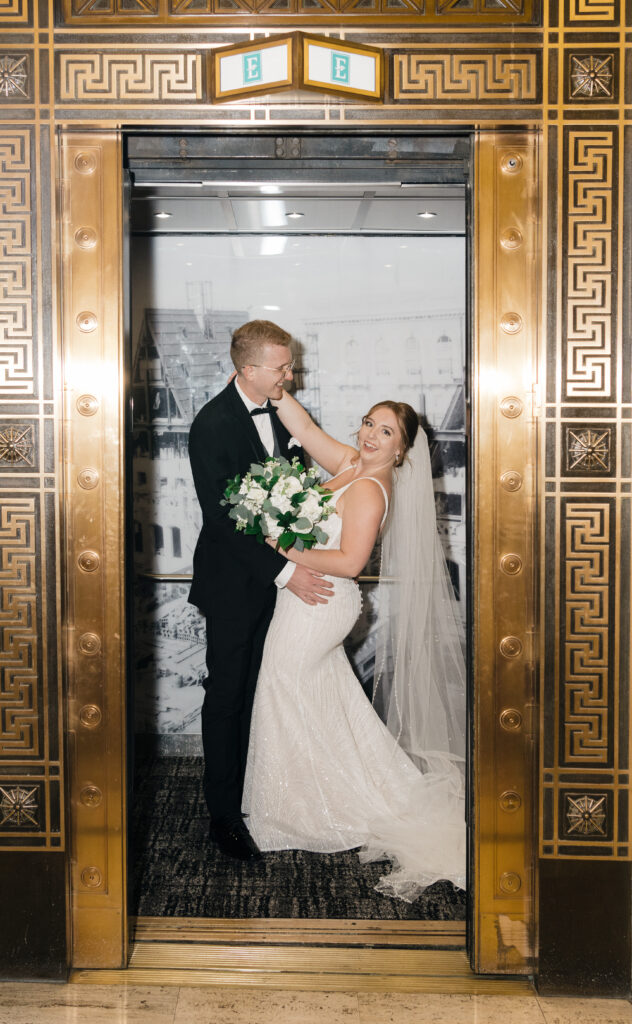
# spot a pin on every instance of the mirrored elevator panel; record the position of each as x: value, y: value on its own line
x: 371, y: 282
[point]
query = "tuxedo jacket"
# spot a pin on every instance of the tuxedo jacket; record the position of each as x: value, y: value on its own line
x: 224, y: 441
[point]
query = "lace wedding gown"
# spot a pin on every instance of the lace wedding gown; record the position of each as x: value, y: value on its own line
x: 324, y: 773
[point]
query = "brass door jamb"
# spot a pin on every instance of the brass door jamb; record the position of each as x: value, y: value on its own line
x: 505, y: 318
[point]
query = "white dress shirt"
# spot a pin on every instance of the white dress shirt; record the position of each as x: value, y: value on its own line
x: 264, y: 427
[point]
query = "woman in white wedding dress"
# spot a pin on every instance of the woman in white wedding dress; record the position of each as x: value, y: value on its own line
x: 324, y: 772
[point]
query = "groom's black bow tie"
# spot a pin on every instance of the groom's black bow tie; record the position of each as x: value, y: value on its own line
x: 263, y: 410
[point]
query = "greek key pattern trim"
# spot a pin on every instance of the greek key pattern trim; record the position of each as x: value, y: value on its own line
x: 466, y: 77
x: 19, y: 718
x: 594, y: 11
x: 16, y: 253
x: 128, y: 78
x: 588, y: 277
x: 13, y: 10
x: 587, y: 530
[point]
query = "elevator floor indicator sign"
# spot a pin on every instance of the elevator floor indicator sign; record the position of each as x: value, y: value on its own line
x: 252, y: 66
x: 340, y: 67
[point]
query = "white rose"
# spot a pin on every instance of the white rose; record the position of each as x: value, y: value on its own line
x: 282, y: 502
x: 272, y: 528
x: 254, y: 497
x: 292, y: 485
x: 311, y: 508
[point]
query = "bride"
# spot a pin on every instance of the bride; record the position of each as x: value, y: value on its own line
x: 324, y: 772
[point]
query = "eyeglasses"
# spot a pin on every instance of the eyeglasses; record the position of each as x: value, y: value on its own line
x: 286, y: 368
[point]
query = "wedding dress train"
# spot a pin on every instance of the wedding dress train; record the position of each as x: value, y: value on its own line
x: 324, y: 773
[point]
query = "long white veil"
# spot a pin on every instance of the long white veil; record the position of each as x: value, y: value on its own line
x: 420, y: 691
x: 420, y: 676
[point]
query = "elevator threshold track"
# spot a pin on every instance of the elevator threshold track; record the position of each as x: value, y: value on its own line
x: 369, y: 956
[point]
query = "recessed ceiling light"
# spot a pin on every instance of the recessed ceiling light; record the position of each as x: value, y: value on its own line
x: 294, y: 214
x: 426, y: 214
x: 270, y: 190
x: 388, y: 264
x: 162, y: 214
x: 271, y: 308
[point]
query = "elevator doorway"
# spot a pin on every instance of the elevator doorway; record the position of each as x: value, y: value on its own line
x: 365, y: 263
x: 96, y: 168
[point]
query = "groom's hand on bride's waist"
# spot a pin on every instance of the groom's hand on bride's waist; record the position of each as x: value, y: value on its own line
x: 310, y: 586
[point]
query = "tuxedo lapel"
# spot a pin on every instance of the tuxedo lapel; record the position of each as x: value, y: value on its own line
x: 244, y: 422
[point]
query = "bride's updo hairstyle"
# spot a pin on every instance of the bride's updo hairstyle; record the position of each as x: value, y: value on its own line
x: 407, y: 420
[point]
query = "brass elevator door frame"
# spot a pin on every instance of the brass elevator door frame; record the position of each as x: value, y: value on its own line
x: 505, y: 315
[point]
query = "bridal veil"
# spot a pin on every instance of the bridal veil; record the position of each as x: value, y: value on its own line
x: 420, y: 684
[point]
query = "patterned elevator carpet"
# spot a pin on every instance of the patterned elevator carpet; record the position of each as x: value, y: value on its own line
x: 178, y: 873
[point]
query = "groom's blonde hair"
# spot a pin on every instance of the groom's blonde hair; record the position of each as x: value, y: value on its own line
x: 249, y: 340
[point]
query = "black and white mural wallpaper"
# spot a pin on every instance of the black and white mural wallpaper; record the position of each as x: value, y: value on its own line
x: 373, y: 317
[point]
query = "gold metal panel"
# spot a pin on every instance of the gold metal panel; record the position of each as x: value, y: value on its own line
x: 466, y: 77
x: 17, y: 371
x: 504, y: 368
x: 92, y: 328
x: 246, y: 13
x: 126, y: 77
x: 20, y: 693
x: 589, y: 315
x: 14, y: 12
x: 308, y: 955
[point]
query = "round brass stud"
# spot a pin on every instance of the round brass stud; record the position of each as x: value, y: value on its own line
x: 86, y: 321
x: 89, y: 643
x: 91, y: 878
x: 87, y: 405
x: 511, y: 163
x: 510, y: 647
x: 510, y: 882
x: 86, y: 238
x: 88, y: 478
x: 511, y: 407
x: 511, y: 323
x: 85, y: 163
x: 88, y: 561
x: 510, y: 719
x: 90, y: 716
x: 511, y: 564
x: 511, y: 480
x: 511, y: 239
x: 510, y: 801
x: 91, y: 796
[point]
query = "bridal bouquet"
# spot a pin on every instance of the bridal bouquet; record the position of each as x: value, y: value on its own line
x: 281, y: 500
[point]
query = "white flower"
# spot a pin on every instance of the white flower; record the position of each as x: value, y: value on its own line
x: 254, y: 496
x: 271, y: 527
x: 293, y: 443
x: 311, y: 508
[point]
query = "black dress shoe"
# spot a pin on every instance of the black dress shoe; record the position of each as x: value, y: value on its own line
x: 234, y: 839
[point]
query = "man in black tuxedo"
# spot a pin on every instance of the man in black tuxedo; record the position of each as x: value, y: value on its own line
x: 234, y: 578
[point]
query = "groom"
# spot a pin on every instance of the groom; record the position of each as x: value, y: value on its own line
x: 234, y: 578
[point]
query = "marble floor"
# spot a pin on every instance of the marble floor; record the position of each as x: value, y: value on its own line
x: 119, y: 1004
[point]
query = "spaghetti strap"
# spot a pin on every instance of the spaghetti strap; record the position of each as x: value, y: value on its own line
x: 375, y: 481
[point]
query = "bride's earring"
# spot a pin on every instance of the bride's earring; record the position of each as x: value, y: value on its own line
x: 396, y: 456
